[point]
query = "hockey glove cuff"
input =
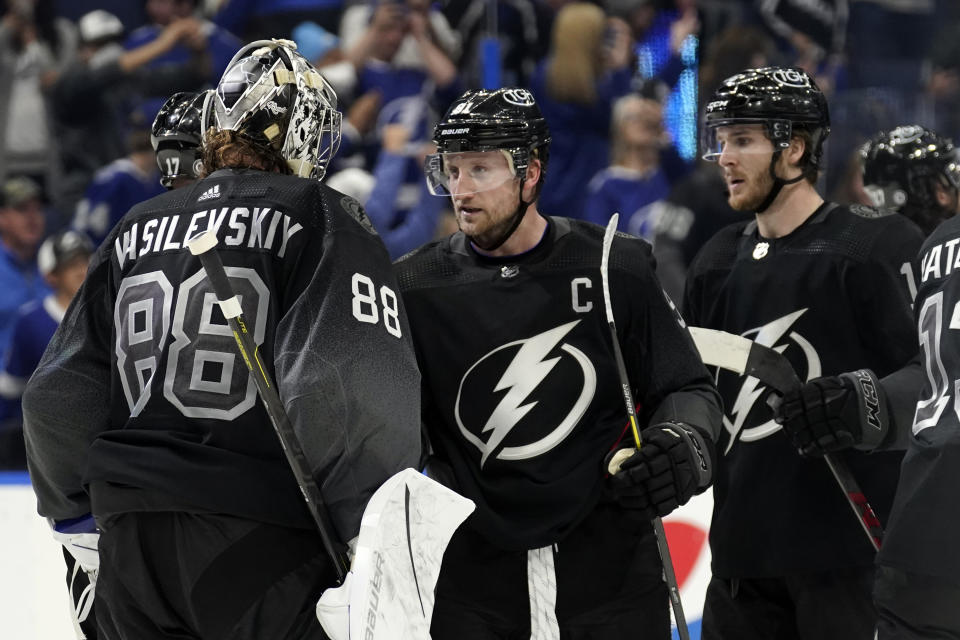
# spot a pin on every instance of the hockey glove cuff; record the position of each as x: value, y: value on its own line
x: 675, y: 462
x: 81, y: 538
x: 836, y: 413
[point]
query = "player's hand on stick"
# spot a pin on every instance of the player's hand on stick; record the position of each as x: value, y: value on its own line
x: 835, y: 413
x: 675, y: 462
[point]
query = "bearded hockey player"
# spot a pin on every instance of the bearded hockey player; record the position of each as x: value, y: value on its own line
x: 142, y: 414
x: 827, y: 285
x: 522, y: 401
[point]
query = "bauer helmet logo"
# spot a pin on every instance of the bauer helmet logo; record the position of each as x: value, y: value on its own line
x: 519, y: 97
x: 792, y: 78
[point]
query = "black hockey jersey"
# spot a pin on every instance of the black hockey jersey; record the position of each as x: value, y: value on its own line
x: 520, y: 386
x: 142, y: 392
x: 832, y: 296
x: 924, y: 526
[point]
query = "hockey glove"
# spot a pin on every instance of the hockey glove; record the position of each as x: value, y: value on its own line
x: 835, y: 413
x: 675, y: 462
x: 80, y: 539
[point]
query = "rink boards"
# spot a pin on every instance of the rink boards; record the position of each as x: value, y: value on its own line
x: 33, y: 590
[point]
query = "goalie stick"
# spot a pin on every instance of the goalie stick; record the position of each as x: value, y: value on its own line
x: 669, y: 575
x: 202, y: 246
x: 746, y: 357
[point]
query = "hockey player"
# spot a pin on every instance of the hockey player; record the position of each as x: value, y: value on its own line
x: 824, y: 284
x: 916, y: 586
x: 522, y: 402
x: 142, y: 413
x: 914, y: 171
x: 177, y: 138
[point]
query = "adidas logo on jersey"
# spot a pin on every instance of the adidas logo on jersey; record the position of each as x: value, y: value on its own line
x: 210, y: 194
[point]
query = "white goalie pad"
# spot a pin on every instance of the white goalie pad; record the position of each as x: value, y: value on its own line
x: 389, y: 591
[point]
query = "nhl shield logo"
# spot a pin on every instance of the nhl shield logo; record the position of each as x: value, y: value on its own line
x: 760, y: 251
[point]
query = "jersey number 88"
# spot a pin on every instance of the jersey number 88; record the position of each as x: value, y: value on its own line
x: 203, y: 377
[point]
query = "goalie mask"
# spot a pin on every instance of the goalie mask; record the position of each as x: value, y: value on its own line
x: 177, y: 135
x: 274, y: 96
x: 901, y: 168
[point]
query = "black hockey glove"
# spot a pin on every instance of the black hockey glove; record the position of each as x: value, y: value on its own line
x: 835, y: 413
x: 675, y: 462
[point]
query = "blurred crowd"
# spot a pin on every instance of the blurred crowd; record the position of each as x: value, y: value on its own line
x: 82, y: 81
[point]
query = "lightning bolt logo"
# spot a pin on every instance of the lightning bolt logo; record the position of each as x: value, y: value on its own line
x: 768, y: 335
x: 528, y: 368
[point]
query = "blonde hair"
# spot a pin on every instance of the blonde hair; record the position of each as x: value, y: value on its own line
x: 575, y: 53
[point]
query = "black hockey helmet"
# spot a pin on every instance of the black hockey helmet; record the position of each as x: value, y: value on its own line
x: 780, y: 98
x: 490, y: 120
x: 177, y: 135
x: 900, y: 168
x: 274, y: 96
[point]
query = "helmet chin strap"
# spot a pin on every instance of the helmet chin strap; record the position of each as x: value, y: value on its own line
x: 778, y: 183
x: 518, y: 214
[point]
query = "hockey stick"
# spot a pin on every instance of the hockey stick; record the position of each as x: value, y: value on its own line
x: 669, y: 576
x: 201, y: 246
x: 746, y: 357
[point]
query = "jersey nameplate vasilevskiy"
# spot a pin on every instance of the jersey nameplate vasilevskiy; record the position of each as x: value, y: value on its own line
x: 254, y: 228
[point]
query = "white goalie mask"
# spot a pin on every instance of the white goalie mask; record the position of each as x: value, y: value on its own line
x: 273, y: 95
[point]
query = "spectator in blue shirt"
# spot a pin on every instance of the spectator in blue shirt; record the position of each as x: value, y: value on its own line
x: 644, y: 166
x: 116, y: 187
x: 211, y: 41
x: 22, y: 227
x: 588, y: 68
x: 62, y: 260
x: 419, y: 225
x: 259, y: 19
